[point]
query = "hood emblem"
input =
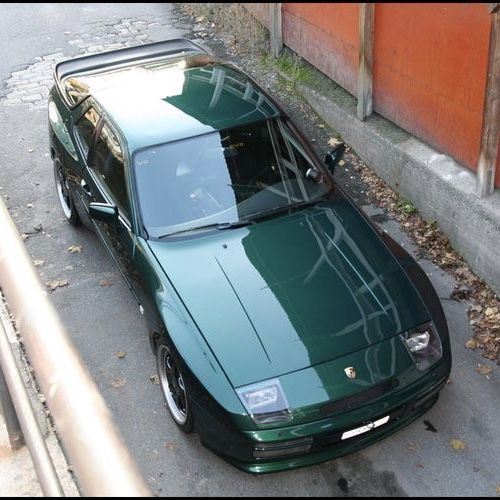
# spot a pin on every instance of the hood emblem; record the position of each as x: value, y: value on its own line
x: 350, y: 371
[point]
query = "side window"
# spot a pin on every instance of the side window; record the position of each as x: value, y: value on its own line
x: 108, y: 163
x: 85, y: 129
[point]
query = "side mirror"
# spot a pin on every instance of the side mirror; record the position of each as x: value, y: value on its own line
x: 103, y: 212
x: 334, y: 156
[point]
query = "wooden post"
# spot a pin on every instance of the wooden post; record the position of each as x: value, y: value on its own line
x: 365, y: 76
x: 276, y: 29
x: 485, y: 184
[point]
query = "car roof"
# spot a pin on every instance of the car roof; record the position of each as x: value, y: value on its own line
x: 155, y: 102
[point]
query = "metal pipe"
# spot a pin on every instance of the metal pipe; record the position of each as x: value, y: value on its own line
x: 96, y: 451
x: 44, y: 468
x: 14, y: 430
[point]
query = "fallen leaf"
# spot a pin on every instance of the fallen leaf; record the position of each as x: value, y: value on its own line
x: 341, y: 163
x: 120, y: 354
x: 169, y: 446
x: 105, y: 283
x: 483, y: 369
x: 24, y: 236
x: 154, y: 379
x: 457, y: 445
x: 320, y: 125
x: 471, y: 344
x: 57, y: 284
x: 75, y: 249
x: 497, y: 490
x: 199, y: 19
x: 333, y: 141
x: 38, y: 262
x: 118, y: 382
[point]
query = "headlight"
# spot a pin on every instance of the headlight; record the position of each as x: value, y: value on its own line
x: 265, y: 402
x: 424, y: 345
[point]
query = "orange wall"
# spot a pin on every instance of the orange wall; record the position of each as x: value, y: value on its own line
x: 325, y: 34
x: 430, y: 65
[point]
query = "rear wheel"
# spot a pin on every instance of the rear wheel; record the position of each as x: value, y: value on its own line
x: 64, y: 194
x: 173, y: 386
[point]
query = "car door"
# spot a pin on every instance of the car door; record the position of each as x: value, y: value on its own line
x: 105, y: 181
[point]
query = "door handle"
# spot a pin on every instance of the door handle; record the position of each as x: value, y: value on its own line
x: 85, y: 187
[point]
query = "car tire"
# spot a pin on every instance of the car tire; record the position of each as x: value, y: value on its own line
x: 64, y: 194
x: 172, y: 382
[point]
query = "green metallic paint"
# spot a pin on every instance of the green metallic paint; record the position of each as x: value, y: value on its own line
x: 211, y: 98
x: 60, y: 129
x: 291, y: 292
x: 166, y: 311
x: 300, y: 296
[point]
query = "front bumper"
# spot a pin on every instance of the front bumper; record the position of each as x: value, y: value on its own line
x: 402, y: 406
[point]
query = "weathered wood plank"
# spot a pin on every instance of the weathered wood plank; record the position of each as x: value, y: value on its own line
x: 365, y: 76
x: 485, y: 184
x: 276, y: 29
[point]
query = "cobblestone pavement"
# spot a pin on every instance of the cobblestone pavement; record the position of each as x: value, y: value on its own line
x: 31, y: 85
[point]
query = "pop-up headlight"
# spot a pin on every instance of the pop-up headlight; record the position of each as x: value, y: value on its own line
x: 424, y: 345
x: 265, y: 402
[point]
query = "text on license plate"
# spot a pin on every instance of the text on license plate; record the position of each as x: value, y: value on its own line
x: 365, y: 428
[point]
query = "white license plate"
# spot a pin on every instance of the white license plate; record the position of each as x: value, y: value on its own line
x: 365, y: 428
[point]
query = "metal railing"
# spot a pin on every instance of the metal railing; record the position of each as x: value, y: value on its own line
x: 97, y: 453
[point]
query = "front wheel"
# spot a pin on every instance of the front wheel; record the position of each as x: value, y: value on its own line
x: 173, y: 387
x: 64, y: 194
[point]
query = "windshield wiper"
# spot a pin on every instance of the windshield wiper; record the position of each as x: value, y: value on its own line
x: 216, y: 225
x: 283, y: 208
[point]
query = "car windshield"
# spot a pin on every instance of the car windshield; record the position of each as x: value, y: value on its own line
x: 225, y: 177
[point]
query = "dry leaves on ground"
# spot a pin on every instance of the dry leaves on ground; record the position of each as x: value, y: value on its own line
x: 154, y: 379
x: 118, y: 382
x: 457, y: 444
x: 105, y: 283
x: 75, y: 249
x: 54, y: 284
x: 120, y: 354
x: 484, y: 369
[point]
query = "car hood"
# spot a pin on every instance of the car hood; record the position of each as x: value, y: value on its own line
x: 291, y: 292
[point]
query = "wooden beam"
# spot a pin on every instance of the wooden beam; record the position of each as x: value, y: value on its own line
x: 365, y: 75
x: 276, y: 29
x: 485, y: 184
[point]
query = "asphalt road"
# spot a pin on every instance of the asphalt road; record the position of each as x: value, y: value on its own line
x: 103, y: 320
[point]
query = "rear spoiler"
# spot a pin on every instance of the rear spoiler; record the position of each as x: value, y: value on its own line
x: 120, y: 57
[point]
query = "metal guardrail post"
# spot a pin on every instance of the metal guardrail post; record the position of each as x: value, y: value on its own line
x: 96, y: 451
x: 40, y: 456
x: 14, y: 430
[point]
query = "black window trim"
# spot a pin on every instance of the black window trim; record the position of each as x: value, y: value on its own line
x: 94, y: 135
x: 108, y: 196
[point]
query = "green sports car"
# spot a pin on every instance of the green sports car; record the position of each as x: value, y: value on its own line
x: 288, y: 330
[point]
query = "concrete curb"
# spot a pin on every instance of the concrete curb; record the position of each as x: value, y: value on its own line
x: 439, y: 187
